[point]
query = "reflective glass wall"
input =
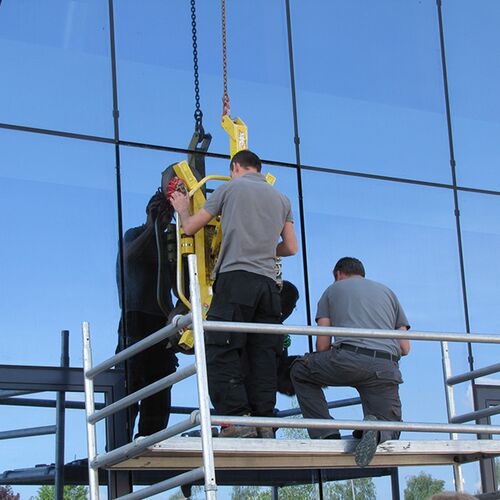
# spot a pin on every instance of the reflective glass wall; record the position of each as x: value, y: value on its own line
x: 378, y: 119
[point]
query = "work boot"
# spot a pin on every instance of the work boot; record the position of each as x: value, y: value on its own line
x: 367, y: 446
x: 238, y: 431
x: 197, y: 433
x: 266, y: 432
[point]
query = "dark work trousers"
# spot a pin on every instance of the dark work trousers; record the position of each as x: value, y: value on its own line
x: 377, y: 381
x: 242, y: 366
x: 148, y: 367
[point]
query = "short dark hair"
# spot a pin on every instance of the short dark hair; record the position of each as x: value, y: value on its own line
x: 246, y: 159
x: 350, y: 266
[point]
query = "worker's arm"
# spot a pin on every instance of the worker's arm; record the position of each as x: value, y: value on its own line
x: 288, y: 244
x: 404, y: 344
x: 323, y: 342
x: 134, y: 247
x: 190, y: 223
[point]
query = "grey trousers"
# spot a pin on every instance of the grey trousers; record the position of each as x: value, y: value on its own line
x: 377, y: 381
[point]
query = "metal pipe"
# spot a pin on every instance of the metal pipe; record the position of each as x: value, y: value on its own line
x: 451, y: 410
x: 379, y: 425
x: 31, y: 431
x: 223, y: 326
x: 143, y: 393
x: 480, y: 372
x: 89, y: 410
x: 137, y: 446
x: 476, y: 415
x: 184, y: 478
x: 177, y: 324
x: 48, y: 403
x: 9, y: 394
x: 202, y: 379
x: 60, y: 423
x: 341, y: 403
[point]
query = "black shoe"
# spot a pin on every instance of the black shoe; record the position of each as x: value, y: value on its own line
x: 366, y: 448
x: 333, y: 435
x: 197, y: 433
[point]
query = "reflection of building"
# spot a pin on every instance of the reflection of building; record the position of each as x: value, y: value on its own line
x: 375, y: 145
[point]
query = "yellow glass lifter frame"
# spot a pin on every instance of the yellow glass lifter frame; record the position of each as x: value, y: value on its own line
x: 206, y: 242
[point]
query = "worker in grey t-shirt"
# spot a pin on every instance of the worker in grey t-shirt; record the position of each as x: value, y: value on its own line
x: 257, y: 226
x: 368, y: 364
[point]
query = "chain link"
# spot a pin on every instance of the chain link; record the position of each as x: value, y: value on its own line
x: 225, y: 96
x: 198, y: 114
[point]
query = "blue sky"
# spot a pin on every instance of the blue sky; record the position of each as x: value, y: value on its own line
x: 370, y: 99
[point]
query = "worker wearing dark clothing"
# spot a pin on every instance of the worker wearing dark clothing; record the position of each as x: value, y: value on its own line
x: 143, y: 316
x: 257, y: 226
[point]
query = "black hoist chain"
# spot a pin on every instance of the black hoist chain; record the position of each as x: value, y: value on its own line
x: 198, y: 114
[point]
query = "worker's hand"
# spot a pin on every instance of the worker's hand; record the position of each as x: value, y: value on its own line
x: 152, y: 210
x: 180, y: 202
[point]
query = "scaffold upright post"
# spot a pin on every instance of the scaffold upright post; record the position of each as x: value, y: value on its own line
x: 89, y: 410
x: 202, y: 381
x: 450, y: 408
x: 60, y: 423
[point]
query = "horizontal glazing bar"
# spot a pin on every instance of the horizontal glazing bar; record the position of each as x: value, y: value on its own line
x: 46, y: 403
x: 137, y: 446
x: 480, y: 372
x: 143, y: 393
x: 223, y: 326
x: 356, y: 424
x: 177, y: 324
x: 184, y: 478
x: 9, y: 394
x: 476, y: 415
x: 32, y: 431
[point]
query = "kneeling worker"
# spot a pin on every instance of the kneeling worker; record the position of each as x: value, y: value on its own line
x: 368, y: 364
x: 257, y: 226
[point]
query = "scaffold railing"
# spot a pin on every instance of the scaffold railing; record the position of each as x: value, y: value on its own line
x: 202, y: 417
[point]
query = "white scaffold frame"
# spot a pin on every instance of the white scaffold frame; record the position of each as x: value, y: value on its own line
x: 202, y: 417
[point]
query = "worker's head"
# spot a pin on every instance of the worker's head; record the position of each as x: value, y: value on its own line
x: 158, y: 206
x: 244, y: 162
x: 348, y: 267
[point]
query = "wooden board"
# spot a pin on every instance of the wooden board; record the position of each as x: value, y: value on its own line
x: 230, y: 453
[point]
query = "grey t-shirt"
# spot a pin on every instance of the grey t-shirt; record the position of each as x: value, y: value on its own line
x: 253, y: 216
x: 358, y: 302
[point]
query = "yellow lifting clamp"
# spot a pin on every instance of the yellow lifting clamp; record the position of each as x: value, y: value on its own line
x: 238, y: 134
x: 205, y: 243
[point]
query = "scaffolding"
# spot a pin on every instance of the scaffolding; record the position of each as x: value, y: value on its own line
x: 202, y: 456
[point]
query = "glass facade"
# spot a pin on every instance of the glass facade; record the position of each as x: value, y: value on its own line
x: 360, y: 136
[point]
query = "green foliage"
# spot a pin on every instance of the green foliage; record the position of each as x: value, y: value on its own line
x: 71, y: 492
x: 422, y: 487
x: 364, y: 489
x: 197, y: 493
x: 6, y: 493
x: 250, y: 493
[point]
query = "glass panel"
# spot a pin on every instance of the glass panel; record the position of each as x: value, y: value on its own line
x: 58, y: 208
x: 472, y: 38
x: 155, y: 65
x: 55, y: 65
x: 481, y: 242
x: 369, y: 86
x: 58, y: 214
x: 405, y: 235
